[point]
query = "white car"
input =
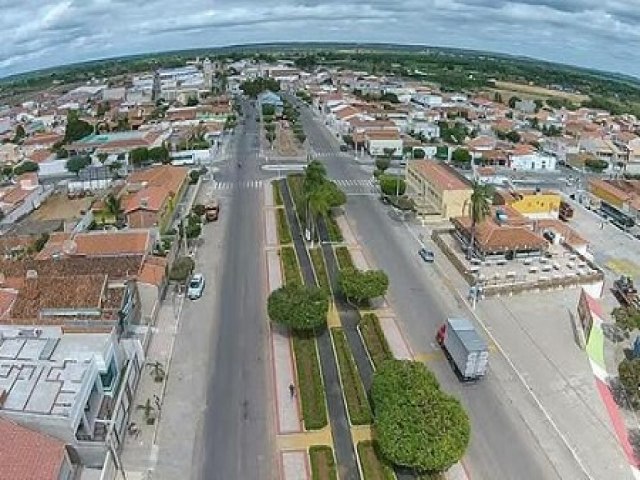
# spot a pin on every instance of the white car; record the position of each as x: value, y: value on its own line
x: 196, y: 286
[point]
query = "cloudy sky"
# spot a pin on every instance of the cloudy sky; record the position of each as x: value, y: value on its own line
x: 603, y: 34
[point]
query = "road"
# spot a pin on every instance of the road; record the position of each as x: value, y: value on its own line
x: 503, y: 415
x: 237, y: 431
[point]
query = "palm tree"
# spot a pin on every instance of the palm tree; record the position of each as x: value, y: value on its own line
x: 319, y: 205
x: 114, y: 206
x: 479, y: 209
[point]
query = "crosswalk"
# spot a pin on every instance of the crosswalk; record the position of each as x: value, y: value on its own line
x: 246, y: 184
x: 357, y: 187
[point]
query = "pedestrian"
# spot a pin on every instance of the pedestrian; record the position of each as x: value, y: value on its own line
x: 292, y: 390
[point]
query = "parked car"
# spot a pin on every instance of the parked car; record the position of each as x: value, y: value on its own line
x: 427, y: 255
x: 196, y: 286
x: 344, y: 148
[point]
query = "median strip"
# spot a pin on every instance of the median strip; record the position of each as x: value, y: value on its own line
x: 320, y: 269
x: 310, y: 387
x: 374, y: 339
x: 323, y: 465
x: 290, y: 266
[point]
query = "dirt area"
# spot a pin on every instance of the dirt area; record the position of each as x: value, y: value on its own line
x: 286, y: 143
x: 59, y: 207
x: 508, y: 89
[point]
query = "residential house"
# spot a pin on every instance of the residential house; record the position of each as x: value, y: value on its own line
x: 120, y: 142
x: 531, y: 161
x: 100, y: 243
x: 526, y: 106
x: 10, y: 154
x: 379, y: 142
x: 30, y: 455
x: 602, y: 148
x: 438, y: 191
x: 427, y: 100
x: 617, y: 199
x: 428, y: 130
x: 629, y: 145
x: 22, y: 198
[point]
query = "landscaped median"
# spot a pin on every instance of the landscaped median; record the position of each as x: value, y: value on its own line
x: 354, y: 392
x: 372, y: 467
x: 284, y: 232
x: 323, y: 465
x: 344, y: 258
x: 277, y: 194
x: 290, y: 267
x: 310, y: 387
x: 374, y: 339
x: 320, y: 269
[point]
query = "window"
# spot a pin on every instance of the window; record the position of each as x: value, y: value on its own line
x: 109, y: 376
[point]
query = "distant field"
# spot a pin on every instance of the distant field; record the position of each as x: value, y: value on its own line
x: 535, y: 91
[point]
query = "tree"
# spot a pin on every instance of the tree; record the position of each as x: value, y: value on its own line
x: 298, y: 307
x: 315, y: 175
x: 461, y: 156
x: 418, y: 153
x: 497, y: 97
x: 270, y: 136
x: 160, y: 154
x: 270, y: 127
x: 513, y: 136
x: 181, y: 269
x: 103, y: 107
x: 76, y: 128
x: 389, y: 97
x: 512, y: 101
x: 19, y: 135
x: 25, y: 167
x: 62, y: 153
x: 102, y: 157
x: 77, y: 163
x: 479, y: 209
x: 382, y: 163
x: 113, y: 205
x: 7, y: 171
x: 629, y: 374
x: 193, y: 228
x: 392, y: 185
x: 389, y: 152
x: 139, y: 156
x: 363, y: 285
x: 596, y: 164
x: 300, y: 136
x: 192, y: 101
x: 268, y: 110
x: 416, y: 424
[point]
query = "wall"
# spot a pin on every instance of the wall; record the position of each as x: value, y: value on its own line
x: 456, y: 203
x: 603, y: 194
x: 53, y: 168
x: 376, y: 147
x: 35, y: 199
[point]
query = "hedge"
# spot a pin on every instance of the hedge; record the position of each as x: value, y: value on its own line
x: 310, y: 388
x: 290, y: 267
x: 319, y: 267
x: 374, y: 339
x: 323, y: 465
x: 344, y: 258
x: 333, y: 230
x: 277, y: 194
x: 354, y: 393
x: 284, y: 233
x: 372, y: 467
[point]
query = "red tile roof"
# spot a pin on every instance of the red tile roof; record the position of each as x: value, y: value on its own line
x: 28, y: 455
x: 439, y: 174
x: 153, y: 271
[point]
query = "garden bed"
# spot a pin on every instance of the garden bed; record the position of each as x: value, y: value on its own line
x: 354, y: 392
x: 310, y: 387
x: 333, y: 230
x: 284, y: 233
x: 374, y: 339
x: 290, y: 266
x: 344, y: 258
x: 277, y: 194
x: 372, y: 467
x: 323, y: 465
x: 320, y: 269
x: 295, y: 183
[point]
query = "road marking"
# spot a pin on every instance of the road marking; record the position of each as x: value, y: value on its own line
x: 524, y: 382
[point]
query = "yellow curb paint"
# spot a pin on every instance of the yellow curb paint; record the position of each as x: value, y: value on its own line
x: 361, y: 433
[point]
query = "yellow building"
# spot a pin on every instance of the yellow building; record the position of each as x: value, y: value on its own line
x: 530, y: 203
x: 437, y: 190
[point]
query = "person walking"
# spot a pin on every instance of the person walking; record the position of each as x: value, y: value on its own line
x: 292, y: 390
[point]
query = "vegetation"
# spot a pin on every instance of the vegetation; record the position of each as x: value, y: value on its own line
x: 373, y: 468
x: 344, y: 258
x: 159, y: 154
x: 309, y: 387
x: 416, y: 424
x: 321, y: 271
x: 323, y: 465
x: 268, y: 110
x: 629, y: 375
x: 596, y: 165
x: 392, y: 185
x: 628, y: 319
x: 301, y: 308
x: 76, y: 128
x: 479, y: 209
x: 193, y: 226
x: 277, y: 194
x: 139, y: 156
x: 77, y: 163
x: 354, y: 393
x: 374, y: 339
x: 290, y: 267
x: 361, y: 286
x: 333, y: 230
x: 253, y: 88
x: 382, y: 163
x: 453, y: 133
x: 284, y: 233
x: 181, y: 269
x: 461, y: 157
x: 25, y: 167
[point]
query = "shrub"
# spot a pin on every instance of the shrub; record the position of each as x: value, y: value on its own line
x: 373, y: 468
x: 321, y: 272
x: 363, y: 285
x: 392, y: 185
x: 333, y: 230
x: 310, y: 387
x: 277, y: 194
x: 299, y: 307
x: 194, y: 175
x: 198, y: 209
x: 374, y: 339
x: 323, y: 465
x: 181, y: 269
x: 284, y: 234
x: 344, y: 258
x: 290, y: 267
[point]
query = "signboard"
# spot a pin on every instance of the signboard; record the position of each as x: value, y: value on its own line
x: 585, y: 314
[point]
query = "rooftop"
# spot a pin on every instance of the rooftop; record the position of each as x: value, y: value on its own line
x: 441, y: 175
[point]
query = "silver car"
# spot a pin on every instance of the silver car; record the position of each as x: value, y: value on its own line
x: 196, y: 286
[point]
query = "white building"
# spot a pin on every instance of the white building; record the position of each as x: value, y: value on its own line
x: 429, y: 130
x: 532, y: 162
x: 427, y: 100
x: 377, y: 142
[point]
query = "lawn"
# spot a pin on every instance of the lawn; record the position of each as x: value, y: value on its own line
x: 284, y: 233
x: 310, y: 388
x: 374, y: 339
x: 344, y: 258
x: 277, y: 194
x: 319, y: 266
x: 357, y: 401
x: 295, y: 187
x: 323, y: 465
x: 333, y: 230
x: 290, y: 267
x: 372, y: 467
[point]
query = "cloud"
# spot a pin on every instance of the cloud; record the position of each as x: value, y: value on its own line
x: 601, y: 34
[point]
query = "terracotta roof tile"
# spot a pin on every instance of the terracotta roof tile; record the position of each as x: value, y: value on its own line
x: 153, y: 271
x: 440, y: 175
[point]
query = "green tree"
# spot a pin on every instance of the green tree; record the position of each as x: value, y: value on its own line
x: 7, y: 171
x: 461, y: 156
x: 62, y: 153
x: 76, y: 128
x: 418, y: 153
x: 19, y: 134
x: 192, y: 101
x: 113, y: 205
x: 25, y: 167
x: 181, y: 269
x: 362, y: 285
x: 102, y: 157
x: 513, y: 136
x: 389, y: 97
x: 271, y: 137
x: 382, y: 163
x: 160, y: 154
x: 392, y: 185
x: 268, y: 110
x: 512, y: 101
x: 417, y: 426
x: 139, y: 156
x: 77, y: 163
x: 629, y: 375
x: 299, y: 308
x: 193, y: 228
x: 479, y: 209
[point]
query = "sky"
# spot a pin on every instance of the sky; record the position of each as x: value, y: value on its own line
x: 601, y: 34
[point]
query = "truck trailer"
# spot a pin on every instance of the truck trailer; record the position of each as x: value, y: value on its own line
x: 466, y: 349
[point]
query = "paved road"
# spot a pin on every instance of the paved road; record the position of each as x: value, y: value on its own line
x: 502, y: 446
x: 237, y: 439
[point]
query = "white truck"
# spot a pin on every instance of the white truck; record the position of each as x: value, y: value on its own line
x: 464, y: 347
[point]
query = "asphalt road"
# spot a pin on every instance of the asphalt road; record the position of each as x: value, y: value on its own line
x: 237, y: 439
x: 503, y: 445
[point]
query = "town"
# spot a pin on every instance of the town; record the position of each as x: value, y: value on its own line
x: 274, y: 266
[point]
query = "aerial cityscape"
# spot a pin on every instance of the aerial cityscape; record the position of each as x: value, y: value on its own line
x: 325, y: 260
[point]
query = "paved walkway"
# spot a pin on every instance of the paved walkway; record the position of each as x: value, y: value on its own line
x: 270, y: 227
x: 288, y: 410
x: 347, y: 234
x: 295, y: 465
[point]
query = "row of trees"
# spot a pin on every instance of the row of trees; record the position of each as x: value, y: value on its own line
x: 253, y: 88
x: 142, y: 155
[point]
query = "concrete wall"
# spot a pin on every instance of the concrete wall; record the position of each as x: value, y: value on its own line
x: 30, y: 203
x: 455, y: 203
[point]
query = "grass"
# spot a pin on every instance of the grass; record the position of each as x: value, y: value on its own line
x: 290, y: 267
x: 335, y: 235
x: 373, y: 468
x: 354, y: 393
x: 295, y: 187
x: 323, y: 465
x: 374, y: 339
x: 310, y: 388
x: 284, y: 233
x: 344, y: 258
x: 277, y: 194
x: 319, y: 267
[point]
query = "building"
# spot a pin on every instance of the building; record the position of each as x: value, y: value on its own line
x: 186, y: 82
x: 617, y: 199
x: 17, y: 201
x: 427, y: 100
x: 532, y: 161
x: 99, y: 243
x: 437, y: 190
x: 70, y: 386
x: 534, y: 204
x: 526, y: 106
x: 379, y: 142
x: 270, y: 98
x: 426, y: 129
x: 30, y: 455
x: 119, y: 142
